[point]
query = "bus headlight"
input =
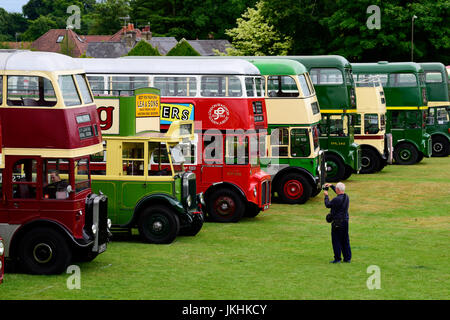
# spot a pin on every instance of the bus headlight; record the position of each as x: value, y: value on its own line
x: 201, y: 198
x: 94, y: 229
x: 2, y: 248
x: 189, y: 200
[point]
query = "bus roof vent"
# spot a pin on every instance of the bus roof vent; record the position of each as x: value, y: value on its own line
x: 383, y: 62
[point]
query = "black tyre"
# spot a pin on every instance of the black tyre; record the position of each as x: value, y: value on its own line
x: 348, y: 172
x: 158, y: 224
x: 251, y: 210
x: 44, y: 251
x: 440, y: 146
x: 194, y: 227
x: 370, y: 161
x: 405, y: 154
x: 294, y: 188
x: 225, y: 205
x: 335, y: 168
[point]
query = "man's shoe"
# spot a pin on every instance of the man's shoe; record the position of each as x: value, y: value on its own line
x: 347, y: 261
x: 335, y: 261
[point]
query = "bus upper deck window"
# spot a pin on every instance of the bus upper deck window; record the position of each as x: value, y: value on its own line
x: 30, y: 91
x: 213, y: 86
x: 326, y: 76
x: 433, y: 77
x: 304, y: 85
x: 234, y: 87
x: 97, y: 84
x: 282, y: 86
x: 69, y: 91
x: 402, y: 80
x: 84, y: 88
x: 125, y: 85
x: 250, y: 86
x: 259, y: 86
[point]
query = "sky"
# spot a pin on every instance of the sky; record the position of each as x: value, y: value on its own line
x: 12, y: 5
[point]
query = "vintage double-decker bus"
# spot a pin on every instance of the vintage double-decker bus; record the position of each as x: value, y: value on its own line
x: 370, y: 125
x: 49, y: 216
x: 438, y: 125
x: 160, y: 201
x: 335, y: 90
x: 226, y: 99
x: 406, y: 105
x: 295, y: 160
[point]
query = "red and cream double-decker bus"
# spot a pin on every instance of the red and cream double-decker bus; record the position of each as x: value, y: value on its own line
x: 48, y: 215
x: 225, y: 98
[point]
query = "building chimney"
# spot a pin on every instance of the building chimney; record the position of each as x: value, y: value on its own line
x: 146, y: 33
x: 130, y: 35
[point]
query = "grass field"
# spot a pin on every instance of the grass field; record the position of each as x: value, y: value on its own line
x: 399, y: 221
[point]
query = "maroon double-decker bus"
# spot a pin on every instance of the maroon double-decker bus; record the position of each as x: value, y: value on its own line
x: 49, y: 127
x: 225, y: 98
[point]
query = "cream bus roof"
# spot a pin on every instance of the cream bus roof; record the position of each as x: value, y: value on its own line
x: 24, y: 60
x: 169, y: 66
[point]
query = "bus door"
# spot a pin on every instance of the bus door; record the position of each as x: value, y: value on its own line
x: 21, y: 199
x: 212, y: 162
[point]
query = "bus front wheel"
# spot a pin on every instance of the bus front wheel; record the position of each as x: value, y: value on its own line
x: 335, y: 168
x: 294, y: 189
x: 225, y: 205
x: 370, y: 161
x: 441, y: 146
x: 44, y: 251
x: 406, y: 154
x: 158, y: 224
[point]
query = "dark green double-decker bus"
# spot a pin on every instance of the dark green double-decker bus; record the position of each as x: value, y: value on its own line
x: 295, y: 160
x: 335, y: 90
x: 406, y: 105
x: 438, y: 125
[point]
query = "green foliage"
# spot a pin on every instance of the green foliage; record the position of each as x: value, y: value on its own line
x: 143, y: 48
x: 105, y: 19
x: 392, y: 42
x: 190, y: 19
x: 183, y: 48
x: 38, y: 27
x: 254, y: 36
x: 10, y: 24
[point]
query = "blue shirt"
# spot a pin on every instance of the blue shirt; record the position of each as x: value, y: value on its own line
x: 339, y: 206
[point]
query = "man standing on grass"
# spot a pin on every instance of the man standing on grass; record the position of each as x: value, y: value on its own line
x: 339, y: 225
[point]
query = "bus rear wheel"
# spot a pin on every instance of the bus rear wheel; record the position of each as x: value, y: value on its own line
x: 44, y: 251
x: 406, y: 154
x: 440, y: 146
x: 225, y: 205
x: 335, y: 168
x: 158, y: 224
x: 370, y: 161
x: 294, y: 189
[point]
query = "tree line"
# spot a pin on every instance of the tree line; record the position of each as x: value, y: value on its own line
x: 259, y: 27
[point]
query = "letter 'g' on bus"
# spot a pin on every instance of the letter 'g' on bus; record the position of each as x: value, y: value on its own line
x: 105, y: 122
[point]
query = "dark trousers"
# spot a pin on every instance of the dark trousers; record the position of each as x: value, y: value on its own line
x: 341, y: 241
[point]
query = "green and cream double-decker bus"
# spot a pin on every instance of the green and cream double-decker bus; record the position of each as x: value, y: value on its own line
x: 370, y: 125
x: 335, y: 90
x: 438, y: 125
x: 406, y: 105
x: 295, y: 160
x: 143, y: 192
